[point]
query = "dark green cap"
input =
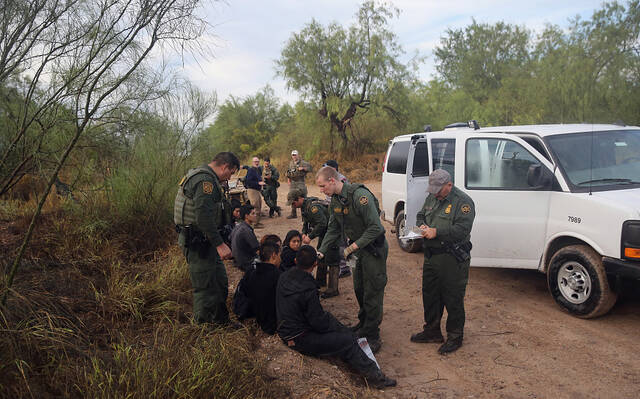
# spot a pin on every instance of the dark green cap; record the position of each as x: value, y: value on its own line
x: 294, y: 195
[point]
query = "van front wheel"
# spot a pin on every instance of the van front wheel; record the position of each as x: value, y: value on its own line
x: 407, y: 246
x: 578, y: 283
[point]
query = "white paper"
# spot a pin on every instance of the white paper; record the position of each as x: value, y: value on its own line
x: 414, y: 234
x: 364, y: 345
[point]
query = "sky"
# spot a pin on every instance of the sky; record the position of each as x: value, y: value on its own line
x: 250, y: 34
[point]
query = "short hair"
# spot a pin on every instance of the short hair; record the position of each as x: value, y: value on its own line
x: 226, y: 158
x: 331, y: 163
x: 271, y: 238
x: 245, y: 210
x: 235, y: 204
x: 306, y: 257
x: 268, y: 249
x: 327, y: 172
x: 267, y: 159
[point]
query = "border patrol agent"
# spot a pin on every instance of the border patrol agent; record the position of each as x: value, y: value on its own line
x: 296, y: 173
x: 200, y: 215
x: 354, y: 214
x: 445, y: 220
x: 270, y: 176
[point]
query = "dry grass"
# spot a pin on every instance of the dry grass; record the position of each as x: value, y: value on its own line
x: 94, y: 313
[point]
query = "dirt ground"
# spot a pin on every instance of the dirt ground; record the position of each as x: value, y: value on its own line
x: 518, y: 343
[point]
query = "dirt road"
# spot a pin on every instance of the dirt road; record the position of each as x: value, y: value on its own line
x: 517, y: 344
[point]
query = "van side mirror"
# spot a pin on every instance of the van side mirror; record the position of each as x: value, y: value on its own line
x: 539, y: 177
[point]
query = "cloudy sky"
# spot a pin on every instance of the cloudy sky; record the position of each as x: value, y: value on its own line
x: 251, y: 33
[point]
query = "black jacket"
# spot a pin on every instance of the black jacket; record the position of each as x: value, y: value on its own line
x: 260, y: 287
x: 287, y: 259
x: 298, y: 306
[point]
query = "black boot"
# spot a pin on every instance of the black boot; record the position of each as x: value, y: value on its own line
x: 381, y: 381
x: 375, y: 344
x: 332, y: 288
x: 428, y: 336
x: 451, y: 345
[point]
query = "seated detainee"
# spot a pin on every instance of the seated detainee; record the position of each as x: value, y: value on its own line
x: 304, y: 326
x: 292, y: 243
x: 244, y: 243
x: 259, y: 286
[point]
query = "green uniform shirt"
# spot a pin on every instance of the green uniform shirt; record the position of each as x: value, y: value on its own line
x: 296, y: 175
x: 208, y: 198
x: 354, y: 212
x: 315, y: 218
x: 452, y: 218
x: 275, y: 175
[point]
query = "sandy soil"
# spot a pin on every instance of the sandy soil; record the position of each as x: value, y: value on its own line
x: 518, y: 342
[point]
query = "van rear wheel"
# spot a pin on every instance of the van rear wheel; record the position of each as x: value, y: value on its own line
x: 407, y: 246
x: 578, y: 282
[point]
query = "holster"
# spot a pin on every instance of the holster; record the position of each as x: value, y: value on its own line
x: 199, y: 242
x: 375, y: 247
x: 461, y: 251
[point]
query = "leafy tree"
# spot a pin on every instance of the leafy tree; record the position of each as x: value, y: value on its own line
x: 477, y: 58
x: 347, y: 71
x: 88, y: 61
x: 243, y: 125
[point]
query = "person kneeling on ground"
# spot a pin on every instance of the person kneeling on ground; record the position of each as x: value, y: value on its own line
x: 305, y: 326
x: 258, y: 286
x: 244, y: 243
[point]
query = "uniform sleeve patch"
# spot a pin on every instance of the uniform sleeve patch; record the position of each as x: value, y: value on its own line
x: 314, y: 209
x: 207, y: 187
x: 363, y: 200
x: 345, y: 211
x: 337, y: 210
x: 466, y: 208
x: 448, y: 210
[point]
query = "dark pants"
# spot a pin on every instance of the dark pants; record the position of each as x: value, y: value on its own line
x: 369, y: 281
x: 342, y: 344
x: 210, y: 287
x: 270, y: 195
x: 331, y: 258
x: 444, y: 282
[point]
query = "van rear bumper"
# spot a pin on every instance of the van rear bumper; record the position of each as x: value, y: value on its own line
x: 622, y: 268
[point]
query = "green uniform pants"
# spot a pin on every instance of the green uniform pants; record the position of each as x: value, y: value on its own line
x: 210, y: 287
x: 270, y: 194
x: 444, y: 282
x: 369, y: 280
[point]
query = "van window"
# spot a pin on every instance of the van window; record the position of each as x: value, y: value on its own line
x: 397, y: 162
x: 421, y: 160
x: 497, y: 164
x: 535, y: 143
x: 444, y: 155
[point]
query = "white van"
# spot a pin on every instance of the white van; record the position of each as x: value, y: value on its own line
x: 562, y: 199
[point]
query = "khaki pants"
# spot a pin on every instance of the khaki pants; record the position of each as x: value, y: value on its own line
x: 255, y: 197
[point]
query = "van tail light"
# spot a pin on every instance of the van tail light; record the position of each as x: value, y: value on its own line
x: 384, y: 163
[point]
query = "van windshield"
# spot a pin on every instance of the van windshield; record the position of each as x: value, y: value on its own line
x: 608, y: 160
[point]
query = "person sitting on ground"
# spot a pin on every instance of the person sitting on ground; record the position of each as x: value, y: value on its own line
x: 306, y: 327
x: 259, y: 286
x: 235, y: 211
x: 292, y: 242
x: 244, y: 243
x: 271, y: 238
